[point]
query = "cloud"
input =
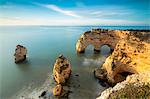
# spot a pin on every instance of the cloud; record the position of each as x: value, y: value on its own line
x: 67, y: 22
x: 60, y: 10
x: 106, y: 12
x: 83, y: 16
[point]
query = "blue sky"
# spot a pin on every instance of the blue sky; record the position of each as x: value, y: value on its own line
x: 75, y: 12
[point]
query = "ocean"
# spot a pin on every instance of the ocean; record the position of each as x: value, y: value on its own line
x: 44, y: 45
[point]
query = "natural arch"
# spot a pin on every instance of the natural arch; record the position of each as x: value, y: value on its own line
x: 130, y: 55
x: 89, y: 49
x: 97, y: 38
x: 105, y: 49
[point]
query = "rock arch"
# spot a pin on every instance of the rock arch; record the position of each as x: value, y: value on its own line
x: 111, y: 48
x: 97, y: 38
x: 130, y: 55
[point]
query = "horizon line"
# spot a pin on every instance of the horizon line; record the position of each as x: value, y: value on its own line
x: 72, y: 25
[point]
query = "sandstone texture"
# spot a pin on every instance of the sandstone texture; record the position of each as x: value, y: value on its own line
x: 61, y: 72
x: 131, y: 50
x: 136, y: 86
x: 130, y: 58
x: 98, y: 38
x: 20, y: 53
x: 57, y: 90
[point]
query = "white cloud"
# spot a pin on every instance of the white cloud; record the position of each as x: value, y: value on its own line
x: 60, y: 10
x: 92, y: 16
x: 67, y: 22
x: 109, y: 14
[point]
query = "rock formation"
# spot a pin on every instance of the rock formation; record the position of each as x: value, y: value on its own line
x: 98, y: 38
x: 61, y: 72
x: 20, y: 53
x: 60, y: 91
x: 130, y: 55
x: 136, y: 86
x: 57, y: 90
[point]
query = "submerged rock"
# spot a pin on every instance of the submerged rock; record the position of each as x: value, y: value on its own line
x: 20, y: 53
x: 43, y: 94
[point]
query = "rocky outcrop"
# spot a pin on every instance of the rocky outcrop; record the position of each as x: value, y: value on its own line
x: 60, y: 91
x: 20, y: 53
x: 130, y: 55
x: 136, y: 86
x: 98, y: 38
x: 57, y: 90
x: 61, y: 72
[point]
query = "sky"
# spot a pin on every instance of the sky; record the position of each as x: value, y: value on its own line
x: 75, y: 12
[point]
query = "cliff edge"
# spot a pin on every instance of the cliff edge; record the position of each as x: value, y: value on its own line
x: 130, y: 54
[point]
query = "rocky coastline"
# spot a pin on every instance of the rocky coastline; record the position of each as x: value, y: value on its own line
x: 125, y: 70
x: 129, y: 59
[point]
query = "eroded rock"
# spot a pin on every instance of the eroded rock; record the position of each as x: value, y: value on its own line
x: 61, y: 70
x: 130, y: 55
x: 136, y: 86
x: 20, y: 53
x: 100, y: 74
x: 98, y: 38
x: 61, y: 73
x: 57, y: 91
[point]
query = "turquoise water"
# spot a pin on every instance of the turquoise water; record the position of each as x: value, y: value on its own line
x: 44, y: 44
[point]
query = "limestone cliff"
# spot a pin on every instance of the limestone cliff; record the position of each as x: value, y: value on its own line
x: 98, y: 38
x: 130, y: 55
x: 136, y: 86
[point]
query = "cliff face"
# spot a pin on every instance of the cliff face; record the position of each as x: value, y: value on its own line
x: 136, y: 86
x: 131, y: 50
x: 130, y: 56
x: 129, y: 61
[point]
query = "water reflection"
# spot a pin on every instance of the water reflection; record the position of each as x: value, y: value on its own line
x: 24, y: 66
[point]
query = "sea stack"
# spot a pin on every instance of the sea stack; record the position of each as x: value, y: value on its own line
x: 20, y: 53
x: 61, y: 72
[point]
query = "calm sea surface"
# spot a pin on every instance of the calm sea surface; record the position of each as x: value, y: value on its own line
x: 44, y: 44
